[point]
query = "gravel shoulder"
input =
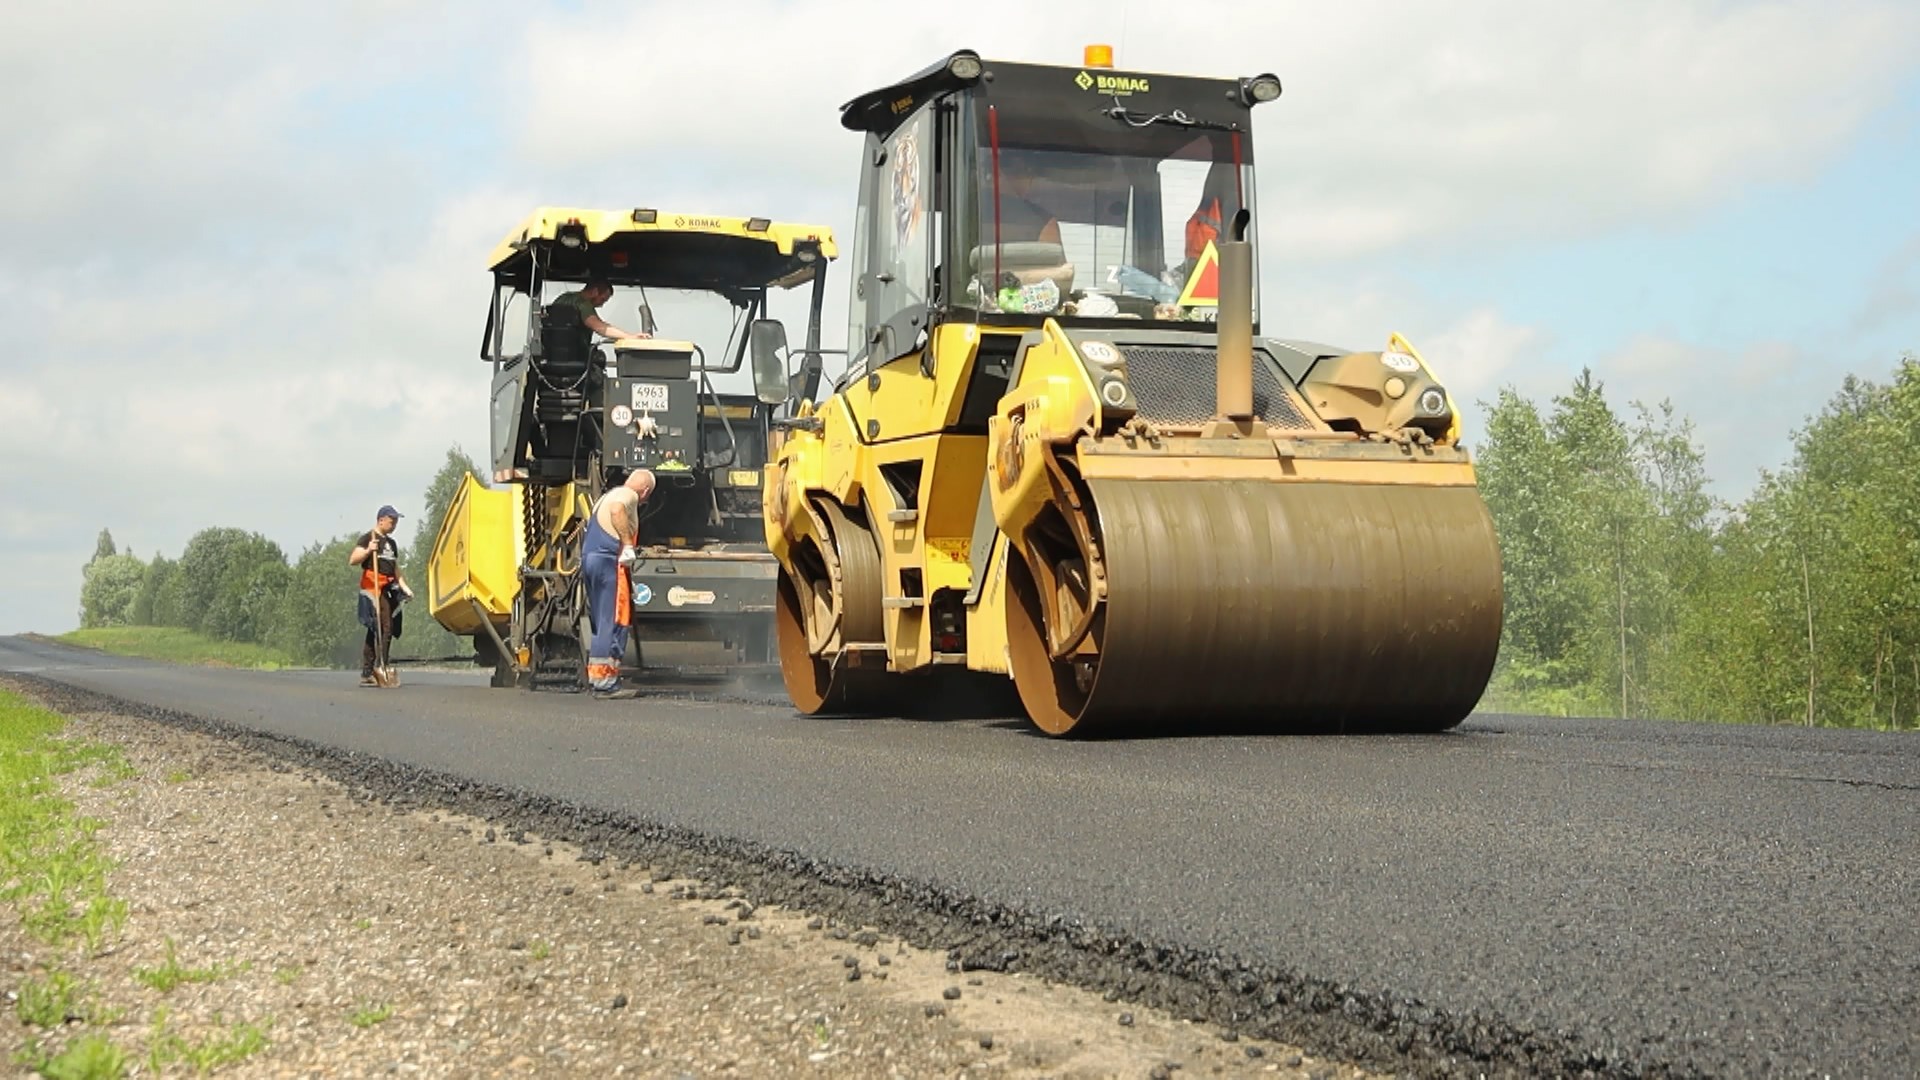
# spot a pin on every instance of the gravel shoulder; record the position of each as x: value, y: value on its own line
x: 374, y: 938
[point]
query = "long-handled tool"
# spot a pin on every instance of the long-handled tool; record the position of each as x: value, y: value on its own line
x: 384, y: 673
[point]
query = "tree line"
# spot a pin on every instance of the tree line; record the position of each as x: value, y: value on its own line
x: 1630, y: 590
x: 236, y: 585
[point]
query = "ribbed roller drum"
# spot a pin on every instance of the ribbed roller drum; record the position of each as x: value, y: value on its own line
x: 1274, y: 606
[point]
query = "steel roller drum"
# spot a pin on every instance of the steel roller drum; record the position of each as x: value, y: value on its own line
x: 1281, y: 606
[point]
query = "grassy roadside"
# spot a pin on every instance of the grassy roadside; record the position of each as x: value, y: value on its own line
x: 53, y: 878
x: 177, y: 646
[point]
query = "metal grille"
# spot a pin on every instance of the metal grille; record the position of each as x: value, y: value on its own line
x: 1175, y: 387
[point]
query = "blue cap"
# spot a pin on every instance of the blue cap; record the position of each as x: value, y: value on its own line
x: 387, y: 511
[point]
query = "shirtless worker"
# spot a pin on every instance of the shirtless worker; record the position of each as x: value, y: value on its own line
x: 612, y: 531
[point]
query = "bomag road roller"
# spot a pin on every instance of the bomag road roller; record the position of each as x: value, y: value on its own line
x: 1061, y: 451
x: 571, y: 418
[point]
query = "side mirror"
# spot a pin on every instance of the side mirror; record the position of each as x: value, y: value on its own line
x: 768, y: 338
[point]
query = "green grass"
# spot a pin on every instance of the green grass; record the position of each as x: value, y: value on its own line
x: 541, y: 950
x: 370, y: 1014
x: 285, y: 975
x: 172, y: 973
x: 177, y: 646
x: 53, y: 873
x: 50, y: 868
x: 52, y: 1001
x: 236, y: 1044
x: 89, y: 1057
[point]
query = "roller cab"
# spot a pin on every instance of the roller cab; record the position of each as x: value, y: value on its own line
x: 1064, y: 453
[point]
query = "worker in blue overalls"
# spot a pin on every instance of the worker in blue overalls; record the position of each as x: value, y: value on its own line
x: 612, y: 531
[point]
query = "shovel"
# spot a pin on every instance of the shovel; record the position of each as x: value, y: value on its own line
x: 384, y: 673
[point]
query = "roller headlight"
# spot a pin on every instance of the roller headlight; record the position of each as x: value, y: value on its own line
x: 966, y: 67
x: 1260, y: 89
x: 1433, y: 402
x: 1113, y: 392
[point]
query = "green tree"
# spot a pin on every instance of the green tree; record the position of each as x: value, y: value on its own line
x: 170, y: 598
x: 1811, y: 614
x: 217, y: 569
x: 103, y: 547
x: 1520, y: 479
x: 249, y: 600
x: 316, y: 623
x: 108, y: 587
x: 1611, y: 518
x: 145, y: 608
x: 1676, y: 553
x: 424, y: 637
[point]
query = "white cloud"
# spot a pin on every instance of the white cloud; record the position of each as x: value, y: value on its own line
x: 1743, y: 400
x: 1400, y: 123
x: 1523, y: 122
x: 1896, y: 291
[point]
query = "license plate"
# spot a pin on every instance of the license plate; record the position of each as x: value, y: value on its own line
x: 650, y: 397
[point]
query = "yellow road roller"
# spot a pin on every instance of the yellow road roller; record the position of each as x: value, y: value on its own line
x: 1062, y: 452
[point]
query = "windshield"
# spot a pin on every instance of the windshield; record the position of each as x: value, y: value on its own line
x: 1107, y: 220
x: 705, y: 318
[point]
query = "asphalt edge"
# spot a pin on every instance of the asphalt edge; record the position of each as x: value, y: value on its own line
x: 1376, y: 1031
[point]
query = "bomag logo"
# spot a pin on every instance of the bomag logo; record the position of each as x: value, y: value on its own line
x: 1112, y: 84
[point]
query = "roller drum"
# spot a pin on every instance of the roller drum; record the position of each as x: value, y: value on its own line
x: 1290, y: 606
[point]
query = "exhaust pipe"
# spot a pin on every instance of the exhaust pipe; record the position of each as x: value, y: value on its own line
x: 1233, y: 390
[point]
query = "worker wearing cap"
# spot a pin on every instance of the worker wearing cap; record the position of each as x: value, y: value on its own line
x: 607, y: 556
x: 380, y: 581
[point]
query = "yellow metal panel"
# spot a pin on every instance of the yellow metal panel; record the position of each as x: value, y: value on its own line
x: 987, y: 619
x: 1401, y: 344
x: 475, y: 557
x: 545, y: 222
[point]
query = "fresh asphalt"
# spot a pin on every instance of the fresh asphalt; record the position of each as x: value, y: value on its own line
x: 1630, y: 898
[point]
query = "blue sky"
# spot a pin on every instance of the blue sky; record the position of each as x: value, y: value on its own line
x: 246, y: 263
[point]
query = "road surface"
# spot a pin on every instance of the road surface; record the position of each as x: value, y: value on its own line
x: 1518, y: 896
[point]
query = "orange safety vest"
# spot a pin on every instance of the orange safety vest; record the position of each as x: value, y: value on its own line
x: 1203, y: 228
x: 371, y: 579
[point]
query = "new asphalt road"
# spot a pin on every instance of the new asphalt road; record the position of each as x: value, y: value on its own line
x: 1628, y: 897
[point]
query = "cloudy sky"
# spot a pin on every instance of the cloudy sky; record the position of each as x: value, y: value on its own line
x: 244, y: 272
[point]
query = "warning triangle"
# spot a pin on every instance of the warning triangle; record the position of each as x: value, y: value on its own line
x: 1203, y: 285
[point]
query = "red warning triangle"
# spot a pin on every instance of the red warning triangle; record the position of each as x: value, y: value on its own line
x: 1203, y: 285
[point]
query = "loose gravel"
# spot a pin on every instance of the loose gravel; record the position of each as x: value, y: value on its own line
x: 378, y: 929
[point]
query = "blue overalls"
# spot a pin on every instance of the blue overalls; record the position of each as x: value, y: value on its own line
x: 609, y: 605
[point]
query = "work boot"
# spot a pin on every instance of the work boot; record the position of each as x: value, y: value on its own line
x: 621, y: 693
x: 369, y: 680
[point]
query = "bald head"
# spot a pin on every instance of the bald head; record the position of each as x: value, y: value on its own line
x: 640, y: 482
